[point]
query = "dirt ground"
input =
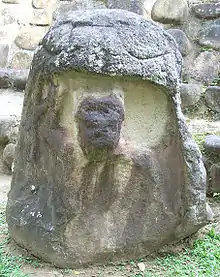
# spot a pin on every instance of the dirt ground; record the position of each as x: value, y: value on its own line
x: 37, y: 268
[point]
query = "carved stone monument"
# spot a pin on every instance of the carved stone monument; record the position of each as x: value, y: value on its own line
x: 105, y: 168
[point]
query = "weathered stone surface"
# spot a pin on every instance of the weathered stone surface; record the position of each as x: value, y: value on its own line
x: 20, y: 60
x: 13, y: 135
x: 205, y: 67
x: 7, y: 126
x: 11, y: 1
x: 110, y: 121
x: 3, y: 33
x: 4, y: 79
x: 210, y: 37
x: 148, y: 5
x: 10, y: 114
x: 96, y: 166
x: 6, y: 16
x: 212, y: 143
x: 9, y: 154
x: 170, y: 11
x: 41, y: 18
x: 135, y: 6
x: 202, y: 126
x: 78, y: 5
x: 20, y: 79
x: 212, y: 97
x: 158, y: 68
x: 215, y: 178
x: 182, y: 41
x: 4, y: 48
x: 21, y: 13
x: 13, y: 78
x: 40, y: 4
x: 207, y: 10
x: 190, y: 94
x: 29, y: 37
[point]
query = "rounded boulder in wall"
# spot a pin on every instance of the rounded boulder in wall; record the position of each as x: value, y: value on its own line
x: 181, y: 40
x: 9, y: 154
x: 20, y: 60
x: 29, y: 37
x: 170, y: 11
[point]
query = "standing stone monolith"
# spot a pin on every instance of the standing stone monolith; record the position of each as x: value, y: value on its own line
x: 105, y: 168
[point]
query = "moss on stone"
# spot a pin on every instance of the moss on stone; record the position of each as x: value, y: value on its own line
x: 200, y: 140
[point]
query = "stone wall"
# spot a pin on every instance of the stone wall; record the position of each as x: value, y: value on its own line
x: 196, y: 29
x: 22, y: 24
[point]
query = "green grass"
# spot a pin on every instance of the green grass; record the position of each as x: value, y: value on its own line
x: 10, y: 266
x: 200, y: 140
x: 206, y: 48
x: 202, y: 260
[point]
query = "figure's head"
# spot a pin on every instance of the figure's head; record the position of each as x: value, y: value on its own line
x: 99, y: 122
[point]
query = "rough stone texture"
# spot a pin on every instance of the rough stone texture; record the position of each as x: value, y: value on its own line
x: 205, y: 67
x: 99, y: 140
x: 190, y: 94
x: 207, y: 10
x: 170, y: 11
x: 202, y: 126
x: 135, y: 61
x: 136, y: 6
x: 212, y: 97
x: 182, y: 41
x: 210, y: 36
x: 17, y: 14
x: 148, y: 5
x: 215, y: 178
x: 6, y: 16
x: 3, y: 33
x: 20, y: 60
x: 65, y: 205
x: 4, y: 48
x: 13, y: 78
x: 11, y: 1
x: 9, y: 154
x: 212, y: 143
x: 29, y: 37
x: 41, y: 18
x: 78, y: 5
x: 10, y: 113
x: 40, y: 4
x: 4, y: 79
x: 20, y: 79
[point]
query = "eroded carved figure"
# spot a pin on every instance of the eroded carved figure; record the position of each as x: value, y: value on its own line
x: 105, y: 168
x: 100, y: 121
